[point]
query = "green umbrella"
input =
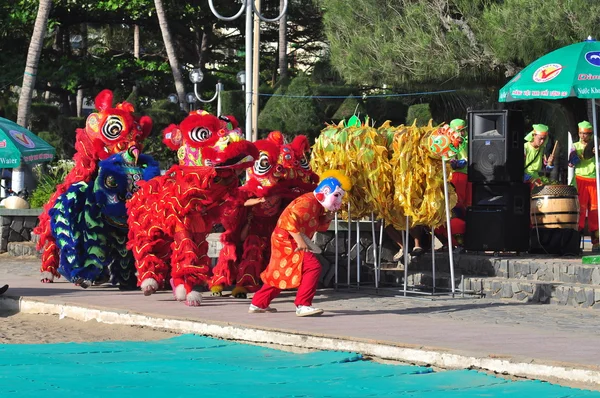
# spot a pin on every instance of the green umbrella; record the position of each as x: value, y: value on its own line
x: 19, y: 144
x: 571, y: 71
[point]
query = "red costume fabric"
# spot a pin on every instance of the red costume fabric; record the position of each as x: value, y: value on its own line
x: 462, y: 187
x: 284, y: 270
x: 108, y: 131
x: 588, y: 203
x: 309, y: 279
x: 281, y: 173
x: 170, y: 216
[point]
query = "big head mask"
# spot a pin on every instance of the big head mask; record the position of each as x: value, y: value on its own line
x: 331, y: 189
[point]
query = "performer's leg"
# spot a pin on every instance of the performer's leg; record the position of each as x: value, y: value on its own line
x: 593, y: 216
x: 263, y: 297
x: 583, y: 202
x: 311, y: 270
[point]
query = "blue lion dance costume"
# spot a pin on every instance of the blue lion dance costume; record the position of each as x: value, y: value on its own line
x: 89, y: 222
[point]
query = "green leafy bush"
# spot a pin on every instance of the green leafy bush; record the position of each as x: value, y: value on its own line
x: 48, y: 176
x: 421, y: 112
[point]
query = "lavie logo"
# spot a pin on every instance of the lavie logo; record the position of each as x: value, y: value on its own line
x: 22, y: 139
x: 546, y: 73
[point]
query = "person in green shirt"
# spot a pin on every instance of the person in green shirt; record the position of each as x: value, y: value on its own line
x: 459, y: 165
x: 583, y: 160
x: 535, y: 160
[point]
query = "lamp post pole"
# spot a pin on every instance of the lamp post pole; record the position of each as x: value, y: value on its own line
x: 196, y: 77
x: 249, y: 7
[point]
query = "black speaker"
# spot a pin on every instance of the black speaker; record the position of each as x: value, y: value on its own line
x: 499, y: 218
x: 562, y: 241
x: 496, y: 140
x: 515, y: 196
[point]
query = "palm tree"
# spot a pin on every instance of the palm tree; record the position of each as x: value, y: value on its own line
x: 33, y: 58
x: 170, y: 47
x: 283, y: 69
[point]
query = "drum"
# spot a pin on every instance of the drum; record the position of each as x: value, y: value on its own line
x: 555, y: 206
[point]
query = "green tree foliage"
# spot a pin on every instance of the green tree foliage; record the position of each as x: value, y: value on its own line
x: 402, y: 42
x: 419, y: 112
x: 293, y: 110
x: 350, y: 107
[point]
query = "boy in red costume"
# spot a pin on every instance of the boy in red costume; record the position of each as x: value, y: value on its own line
x: 292, y: 264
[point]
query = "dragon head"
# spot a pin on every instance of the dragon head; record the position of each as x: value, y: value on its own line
x: 117, y: 181
x: 202, y: 139
x: 112, y: 130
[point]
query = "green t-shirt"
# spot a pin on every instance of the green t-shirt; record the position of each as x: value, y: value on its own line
x: 463, y: 155
x: 534, y: 159
x: 586, y: 167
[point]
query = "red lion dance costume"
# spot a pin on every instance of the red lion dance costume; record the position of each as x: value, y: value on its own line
x: 107, y: 132
x: 171, y: 215
x: 281, y: 174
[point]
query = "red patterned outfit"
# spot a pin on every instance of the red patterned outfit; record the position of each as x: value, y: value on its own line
x: 288, y: 268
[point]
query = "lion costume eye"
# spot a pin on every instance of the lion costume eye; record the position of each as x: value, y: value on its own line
x: 200, y: 134
x: 110, y: 182
x: 304, y: 163
x: 262, y: 165
x: 113, y: 127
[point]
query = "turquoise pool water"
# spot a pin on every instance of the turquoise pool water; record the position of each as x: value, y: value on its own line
x: 195, y: 366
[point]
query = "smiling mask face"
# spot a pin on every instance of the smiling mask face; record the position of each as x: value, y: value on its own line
x: 329, y: 193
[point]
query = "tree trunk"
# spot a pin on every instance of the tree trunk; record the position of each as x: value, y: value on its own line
x: 31, y: 65
x: 171, y: 53
x: 82, y: 54
x: 283, y: 67
x: 136, y: 50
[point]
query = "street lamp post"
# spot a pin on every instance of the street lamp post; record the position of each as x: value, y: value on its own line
x: 250, y: 8
x: 196, y: 77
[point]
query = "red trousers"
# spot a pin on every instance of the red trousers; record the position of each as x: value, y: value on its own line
x: 311, y: 270
x: 463, y: 188
x: 588, y: 202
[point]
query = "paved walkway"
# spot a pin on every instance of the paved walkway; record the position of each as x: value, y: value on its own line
x: 539, y: 341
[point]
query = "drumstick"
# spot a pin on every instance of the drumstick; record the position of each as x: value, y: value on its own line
x: 553, y: 153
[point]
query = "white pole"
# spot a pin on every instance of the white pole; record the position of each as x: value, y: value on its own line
x: 374, y: 246
x: 255, y: 69
x: 358, y: 253
x: 596, y: 152
x: 433, y: 257
x: 249, y: 43
x: 570, y: 170
x: 349, y: 243
x: 337, y: 250
x: 406, y: 256
x: 219, y: 89
x: 18, y: 179
x: 448, y: 227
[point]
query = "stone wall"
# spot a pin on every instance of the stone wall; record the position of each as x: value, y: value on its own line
x: 16, y: 225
